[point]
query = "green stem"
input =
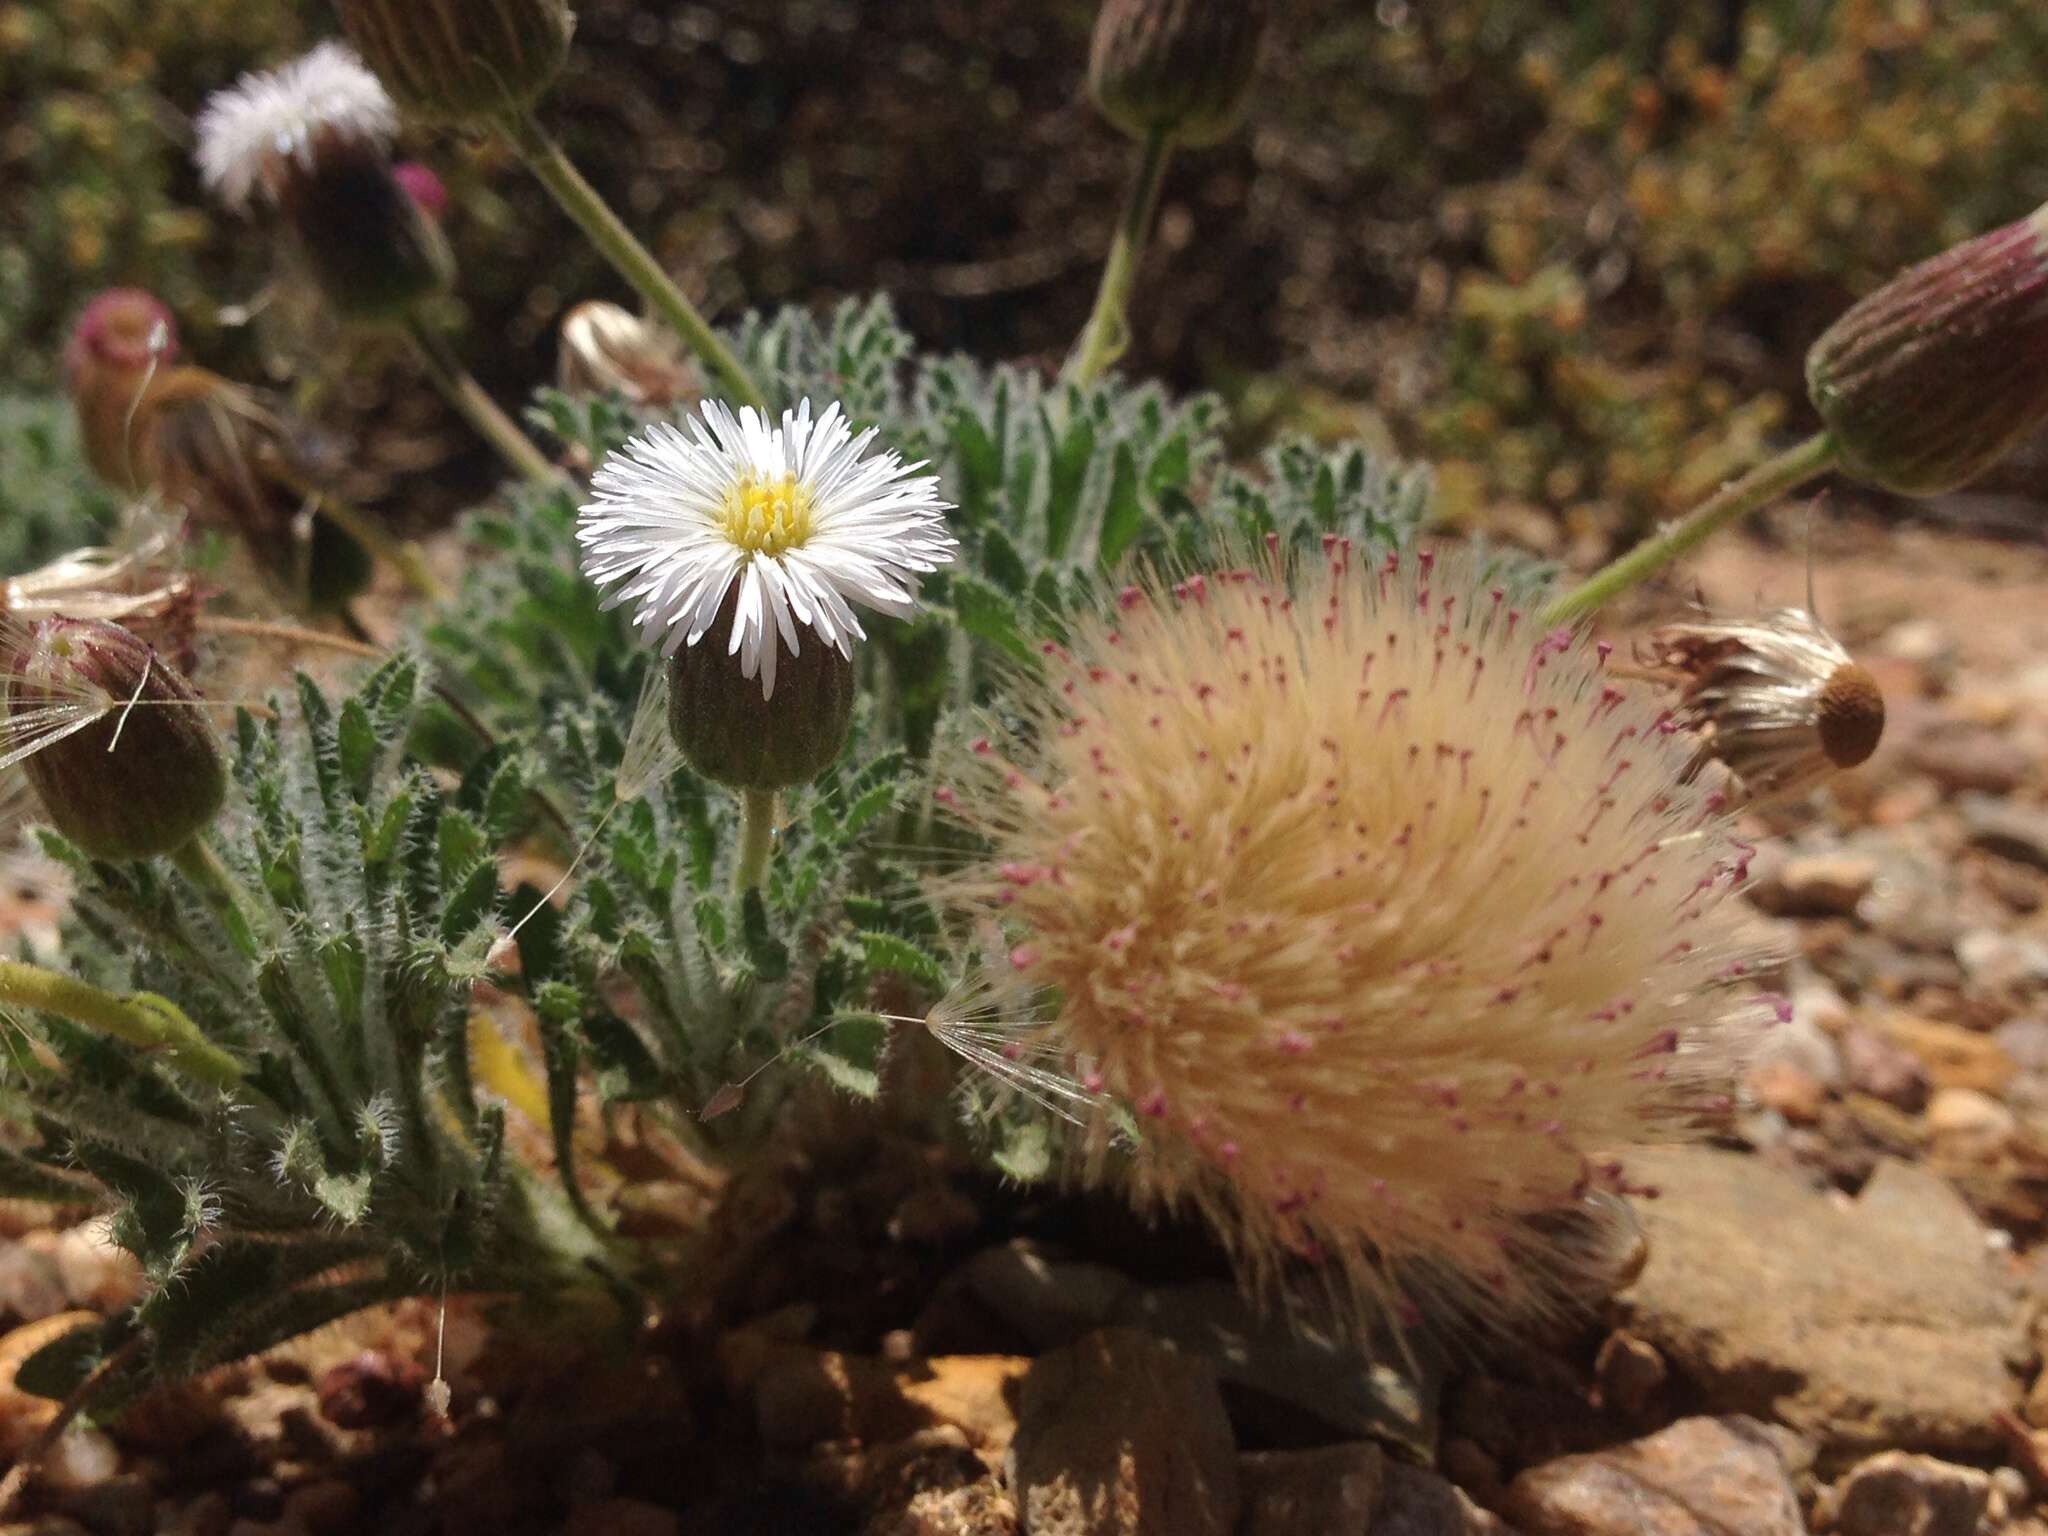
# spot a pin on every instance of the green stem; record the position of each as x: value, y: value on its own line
x: 635, y: 263
x: 757, y: 838
x: 461, y: 390
x: 197, y: 862
x: 1107, y: 332
x: 139, y: 1018
x: 1774, y: 477
x: 404, y: 556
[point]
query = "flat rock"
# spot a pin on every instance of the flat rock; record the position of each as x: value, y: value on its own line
x: 1897, y: 1494
x: 1332, y: 1489
x: 2016, y: 832
x: 1866, y: 1326
x: 804, y: 1396
x: 1700, y: 1477
x: 1419, y: 1503
x: 1119, y: 1436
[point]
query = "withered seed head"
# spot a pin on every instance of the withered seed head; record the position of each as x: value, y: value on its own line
x: 1851, y: 715
x: 1775, y: 700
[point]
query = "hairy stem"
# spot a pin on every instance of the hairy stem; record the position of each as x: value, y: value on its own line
x: 1774, y: 477
x: 757, y: 838
x: 461, y: 390
x: 197, y: 862
x: 1108, y: 331
x: 140, y: 1019
x: 618, y: 245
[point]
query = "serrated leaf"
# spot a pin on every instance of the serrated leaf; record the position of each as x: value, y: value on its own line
x: 890, y: 952
x: 1124, y: 513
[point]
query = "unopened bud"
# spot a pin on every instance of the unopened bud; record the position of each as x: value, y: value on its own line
x: 1936, y: 376
x: 146, y: 773
x: 461, y: 60
x: 730, y: 733
x: 1179, y: 67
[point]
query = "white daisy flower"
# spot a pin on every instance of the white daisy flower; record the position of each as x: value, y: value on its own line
x: 269, y: 124
x: 801, y: 517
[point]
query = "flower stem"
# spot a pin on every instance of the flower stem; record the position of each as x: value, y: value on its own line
x: 1775, y: 476
x: 635, y: 263
x: 757, y: 838
x: 1108, y: 332
x: 461, y: 390
x: 197, y: 862
x: 139, y: 1018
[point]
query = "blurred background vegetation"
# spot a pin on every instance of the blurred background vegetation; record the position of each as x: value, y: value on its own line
x: 1573, y: 252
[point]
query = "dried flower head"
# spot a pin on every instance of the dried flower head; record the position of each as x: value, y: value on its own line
x: 314, y: 138
x: 1179, y: 67
x: 1775, y: 700
x: 111, y: 737
x: 461, y: 60
x: 1390, y: 926
x: 136, y: 584
x: 1935, y: 377
x: 606, y: 349
x: 761, y: 532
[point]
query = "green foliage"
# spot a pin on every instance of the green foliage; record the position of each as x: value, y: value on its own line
x: 354, y: 1162
x: 49, y: 502
x: 364, y: 1155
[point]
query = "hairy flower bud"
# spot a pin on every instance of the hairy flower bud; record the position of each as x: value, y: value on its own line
x: 1182, y: 67
x: 1936, y: 376
x: 461, y: 60
x: 730, y: 733
x: 127, y: 766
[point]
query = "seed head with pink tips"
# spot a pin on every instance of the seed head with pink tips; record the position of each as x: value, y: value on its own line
x: 1392, y: 925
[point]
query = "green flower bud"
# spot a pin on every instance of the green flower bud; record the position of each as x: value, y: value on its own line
x: 729, y: 732
x: 147, y: 774
x: 1936, y: 376
x: 1183, y: 67
x: 461, y: 60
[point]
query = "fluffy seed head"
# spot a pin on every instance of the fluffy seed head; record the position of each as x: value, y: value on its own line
x: 270, y: 126
x: 1181, y: 67
x: 1389, y: 924
x: 1775, y: 700
x: 461, y: 60
x: 1935, y: 377
x: 798, y: 522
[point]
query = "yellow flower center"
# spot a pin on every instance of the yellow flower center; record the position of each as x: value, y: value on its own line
x: 767, y: 516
